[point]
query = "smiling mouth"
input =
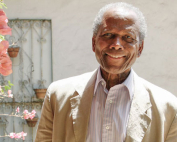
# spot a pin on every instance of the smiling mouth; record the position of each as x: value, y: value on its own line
x: 114, y: 56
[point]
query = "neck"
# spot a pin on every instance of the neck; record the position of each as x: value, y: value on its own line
x: 114, y: 79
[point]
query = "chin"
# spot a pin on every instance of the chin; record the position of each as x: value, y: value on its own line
x: 115, y: 70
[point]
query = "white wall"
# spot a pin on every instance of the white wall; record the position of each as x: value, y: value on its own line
x: 72, y: 33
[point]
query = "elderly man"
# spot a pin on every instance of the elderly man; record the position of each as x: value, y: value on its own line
x: 111, y: 104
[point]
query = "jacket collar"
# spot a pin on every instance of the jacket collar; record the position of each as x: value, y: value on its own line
x: 138, y: 117
x: 81, y: 102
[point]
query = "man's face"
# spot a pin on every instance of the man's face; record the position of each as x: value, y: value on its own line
x: 117, y: 44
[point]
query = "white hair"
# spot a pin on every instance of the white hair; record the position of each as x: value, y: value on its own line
x: 99, y: 17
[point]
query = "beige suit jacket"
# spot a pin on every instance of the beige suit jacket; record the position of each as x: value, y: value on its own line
x: 66, y: 112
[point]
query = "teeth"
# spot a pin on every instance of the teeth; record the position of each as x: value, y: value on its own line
x: 114, y: 56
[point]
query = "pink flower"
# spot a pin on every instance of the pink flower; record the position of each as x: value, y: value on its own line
x: 18, y: 110
x: 31, y: 116
x: 12, y: 135
x: 23, y: 135
x: 18, y: 136
x: 5, y: 61
x: 33, y: 112
x: 3, y: 18
x: 25, y: 111
x: 4, y: 28
x: 5, y: 65
x: 25, y: 114
x: 9, y: 92
x: 3, y: 46
x: 2, y: 12
x: 10, y: 96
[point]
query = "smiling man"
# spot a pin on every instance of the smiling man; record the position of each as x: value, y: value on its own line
x: 117, y: 44
x: 111, y: 104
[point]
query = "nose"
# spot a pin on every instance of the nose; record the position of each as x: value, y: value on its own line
x: 116, y: 44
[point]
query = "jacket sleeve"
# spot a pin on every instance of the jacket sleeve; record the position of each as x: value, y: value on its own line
x: 45, y: 127
x: 172, y: 134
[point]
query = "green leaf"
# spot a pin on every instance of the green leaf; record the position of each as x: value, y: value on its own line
x: 2, y: 37
x: 7, y: 88
x: 10, y: 84
x: 3, y: 5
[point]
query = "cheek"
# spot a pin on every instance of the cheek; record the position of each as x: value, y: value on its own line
x: 133, y: 50
x: 131, y: 56
x: 98, y: 53
x: 101, y: 44
x: 100, y: 47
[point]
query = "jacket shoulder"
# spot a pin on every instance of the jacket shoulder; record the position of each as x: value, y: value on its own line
x: 67, y: 85
x: 160, y: 95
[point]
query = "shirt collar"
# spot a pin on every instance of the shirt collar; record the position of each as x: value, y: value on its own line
x: 98, y: 80
x: 128, y: 82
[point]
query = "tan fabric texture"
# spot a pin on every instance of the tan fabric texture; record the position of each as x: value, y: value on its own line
x: 66, y: 112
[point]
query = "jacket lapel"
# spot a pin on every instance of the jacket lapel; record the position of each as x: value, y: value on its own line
x: 138, y: 118
x: 81, y: 106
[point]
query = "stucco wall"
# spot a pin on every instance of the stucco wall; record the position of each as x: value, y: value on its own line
x: 72, y: 33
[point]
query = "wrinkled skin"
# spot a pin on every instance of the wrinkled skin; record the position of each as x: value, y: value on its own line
x: 117, y: 45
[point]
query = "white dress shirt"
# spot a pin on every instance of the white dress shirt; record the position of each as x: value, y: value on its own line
x: 110, y: 110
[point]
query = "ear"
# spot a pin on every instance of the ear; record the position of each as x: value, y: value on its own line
x: 93, y: 43
x: 141, y: 45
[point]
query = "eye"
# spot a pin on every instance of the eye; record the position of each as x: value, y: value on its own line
x: 128, y: 39
x: 128, y: 36
x: 108, y: 35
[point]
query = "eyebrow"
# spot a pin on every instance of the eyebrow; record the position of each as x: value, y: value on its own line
x: 128, y: 31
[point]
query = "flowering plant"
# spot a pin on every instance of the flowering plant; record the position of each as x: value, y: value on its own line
x: 5, y: 62
x: 26, y: 114
x: 6, y: 69
x: 5, y: 91
x: 17, y: 136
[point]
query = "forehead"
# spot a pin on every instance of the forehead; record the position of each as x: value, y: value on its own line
x: 120, y: 19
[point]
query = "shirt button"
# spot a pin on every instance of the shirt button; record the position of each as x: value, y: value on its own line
x: 110, y: 101
x: 107, y: 127
x: 102, y: 83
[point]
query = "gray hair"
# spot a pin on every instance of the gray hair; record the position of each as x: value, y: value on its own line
x: 99, y: 17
